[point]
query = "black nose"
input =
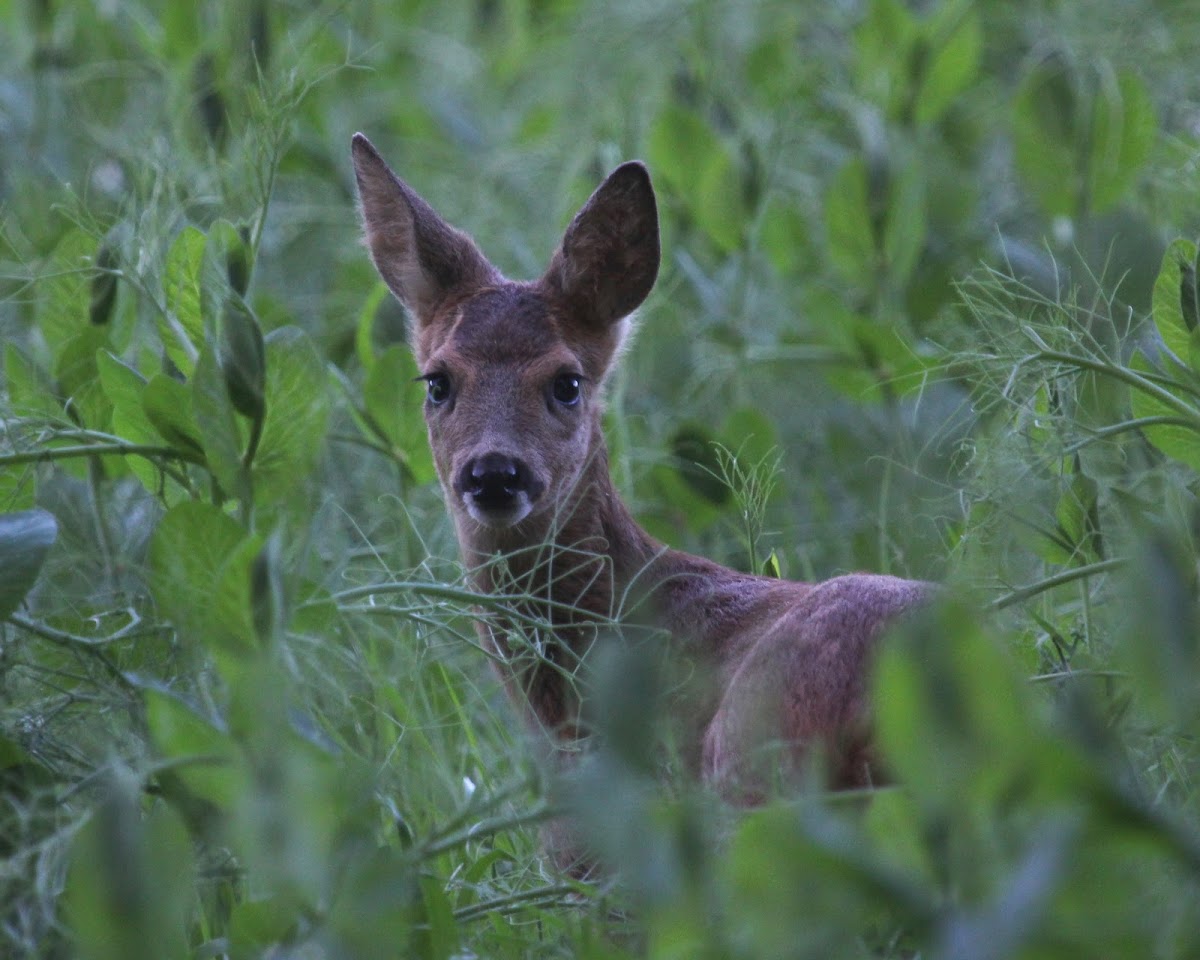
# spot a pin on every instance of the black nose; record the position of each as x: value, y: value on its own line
x: 493, y: 480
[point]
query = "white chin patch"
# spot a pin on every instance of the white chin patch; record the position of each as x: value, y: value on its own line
x: 499, y: 519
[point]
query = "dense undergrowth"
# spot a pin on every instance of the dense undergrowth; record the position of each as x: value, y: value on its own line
x: 924, y: 260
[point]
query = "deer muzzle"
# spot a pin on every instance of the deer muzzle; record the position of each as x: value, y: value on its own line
x: 498, y: 490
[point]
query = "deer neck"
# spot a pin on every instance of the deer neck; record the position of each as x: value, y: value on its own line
x: 592, y: 562
x: 575, y: 560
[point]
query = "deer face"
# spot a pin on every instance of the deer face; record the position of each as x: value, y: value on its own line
x: 514, y: 371
x: 512, y: 409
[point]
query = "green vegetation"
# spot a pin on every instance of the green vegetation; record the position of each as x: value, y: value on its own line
x: 929, y: 262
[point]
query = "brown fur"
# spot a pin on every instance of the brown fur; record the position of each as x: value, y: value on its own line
x: 790, y: 659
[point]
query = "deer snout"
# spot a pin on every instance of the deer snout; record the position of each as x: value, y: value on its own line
x: 498, y: 490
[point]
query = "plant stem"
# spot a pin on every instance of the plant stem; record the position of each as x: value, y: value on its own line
x: 1067, y: 576
x: 118, y: 448
x: 514, y: 901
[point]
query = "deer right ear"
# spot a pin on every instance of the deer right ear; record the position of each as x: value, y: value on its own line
x: 608, y: 259
x: 421, y: 257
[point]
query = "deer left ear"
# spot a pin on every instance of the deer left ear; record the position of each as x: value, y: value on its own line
x: 608, y: 259
x: 422, y: 258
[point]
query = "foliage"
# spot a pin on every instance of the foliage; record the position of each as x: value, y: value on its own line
x: 937, y: 264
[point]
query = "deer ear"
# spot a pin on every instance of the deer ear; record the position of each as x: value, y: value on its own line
x: 421, y: 257
x: 608, y: 259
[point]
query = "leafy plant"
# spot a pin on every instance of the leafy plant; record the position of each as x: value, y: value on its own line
x: 921, y: 271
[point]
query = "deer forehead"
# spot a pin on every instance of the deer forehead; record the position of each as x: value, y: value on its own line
x: 513, y: 328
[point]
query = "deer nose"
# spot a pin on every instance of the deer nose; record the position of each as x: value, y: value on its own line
x: 494, y: 480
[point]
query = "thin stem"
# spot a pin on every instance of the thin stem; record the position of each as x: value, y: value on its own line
x: 1072, y: 674
x: 485, y: 828
x: 554, y: 892
x: 1067, y: 576
x: 117, y: 448
x: 1103, y: 433
x: 503, y: 603
x: 1127, y: 376
x: 64, y: 639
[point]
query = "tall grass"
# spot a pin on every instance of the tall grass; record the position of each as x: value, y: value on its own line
x: 920, y: 312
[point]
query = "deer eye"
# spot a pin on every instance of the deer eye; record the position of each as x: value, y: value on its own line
x: 437, y: 387
x: 566, y: 389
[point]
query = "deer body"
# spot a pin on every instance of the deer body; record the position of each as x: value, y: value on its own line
x: 515, y: 372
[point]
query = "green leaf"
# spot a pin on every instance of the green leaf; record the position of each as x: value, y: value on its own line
x: 122, y: 384
x: 1175, y: 289
x: 749, y: 434
x: 883, y: 44
x: 64, y: 294
x: 75, y: 370
x: 217, y: 423
x: 394, y: 405
x: 848, y: 226
x: 243, y: 359
x: 181, y: 32
x: 1177, y: 441
x: 440, y: 932
x: 771, y: 67
x: 717, y: 204
x: 189, y: 554
x: 1162, y: 651
x: 25, y: 539
x: 255, y: 925
x: 904, y: 224
x: 182, y: 328
x: 125, y: 387
x: 1194, y: 350
x: 785, y: 237
x: 1046, y: 136
x: 771, y: 566
x: 1076, y: 514
x: 693, y: 448
x: 129, y: 887
x: 18, y: 488
x: 677, y: 505
x: 364, y: 332
x: 231, y: 248
x: 1124, y: 130
x: 268, y: 603
x: 381, y: 903
x: 697, y: 165
x: 11, y: 754
x: 103, y: 295
x: 29, y: 393
x: 286, y: 829
x: 954, y: 719
x: 297, y: 406
x: 887, y: 363
x: 893, y: 821
x: 234, y: 600
x: 790, y: 896
x: 168, y: 406
x: 954, y: 65
x: 181, y: 734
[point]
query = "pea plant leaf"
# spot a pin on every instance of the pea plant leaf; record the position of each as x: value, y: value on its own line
x: 1124, y: 129
x: 297, y: 405
x: 393, y: 403
x: 25, y: 539
x: 848, y: 226
x: 1046, y: 136
x: 182, y: 326
x: 1174, y: 298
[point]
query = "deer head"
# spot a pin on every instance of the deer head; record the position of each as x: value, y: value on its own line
x: 514, y: 370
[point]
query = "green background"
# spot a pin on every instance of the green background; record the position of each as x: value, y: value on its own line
x: 928, y: 306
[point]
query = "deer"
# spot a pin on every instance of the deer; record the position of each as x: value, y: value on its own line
x: 515, y: 374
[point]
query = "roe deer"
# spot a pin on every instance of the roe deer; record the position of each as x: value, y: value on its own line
x: 515, y: 373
